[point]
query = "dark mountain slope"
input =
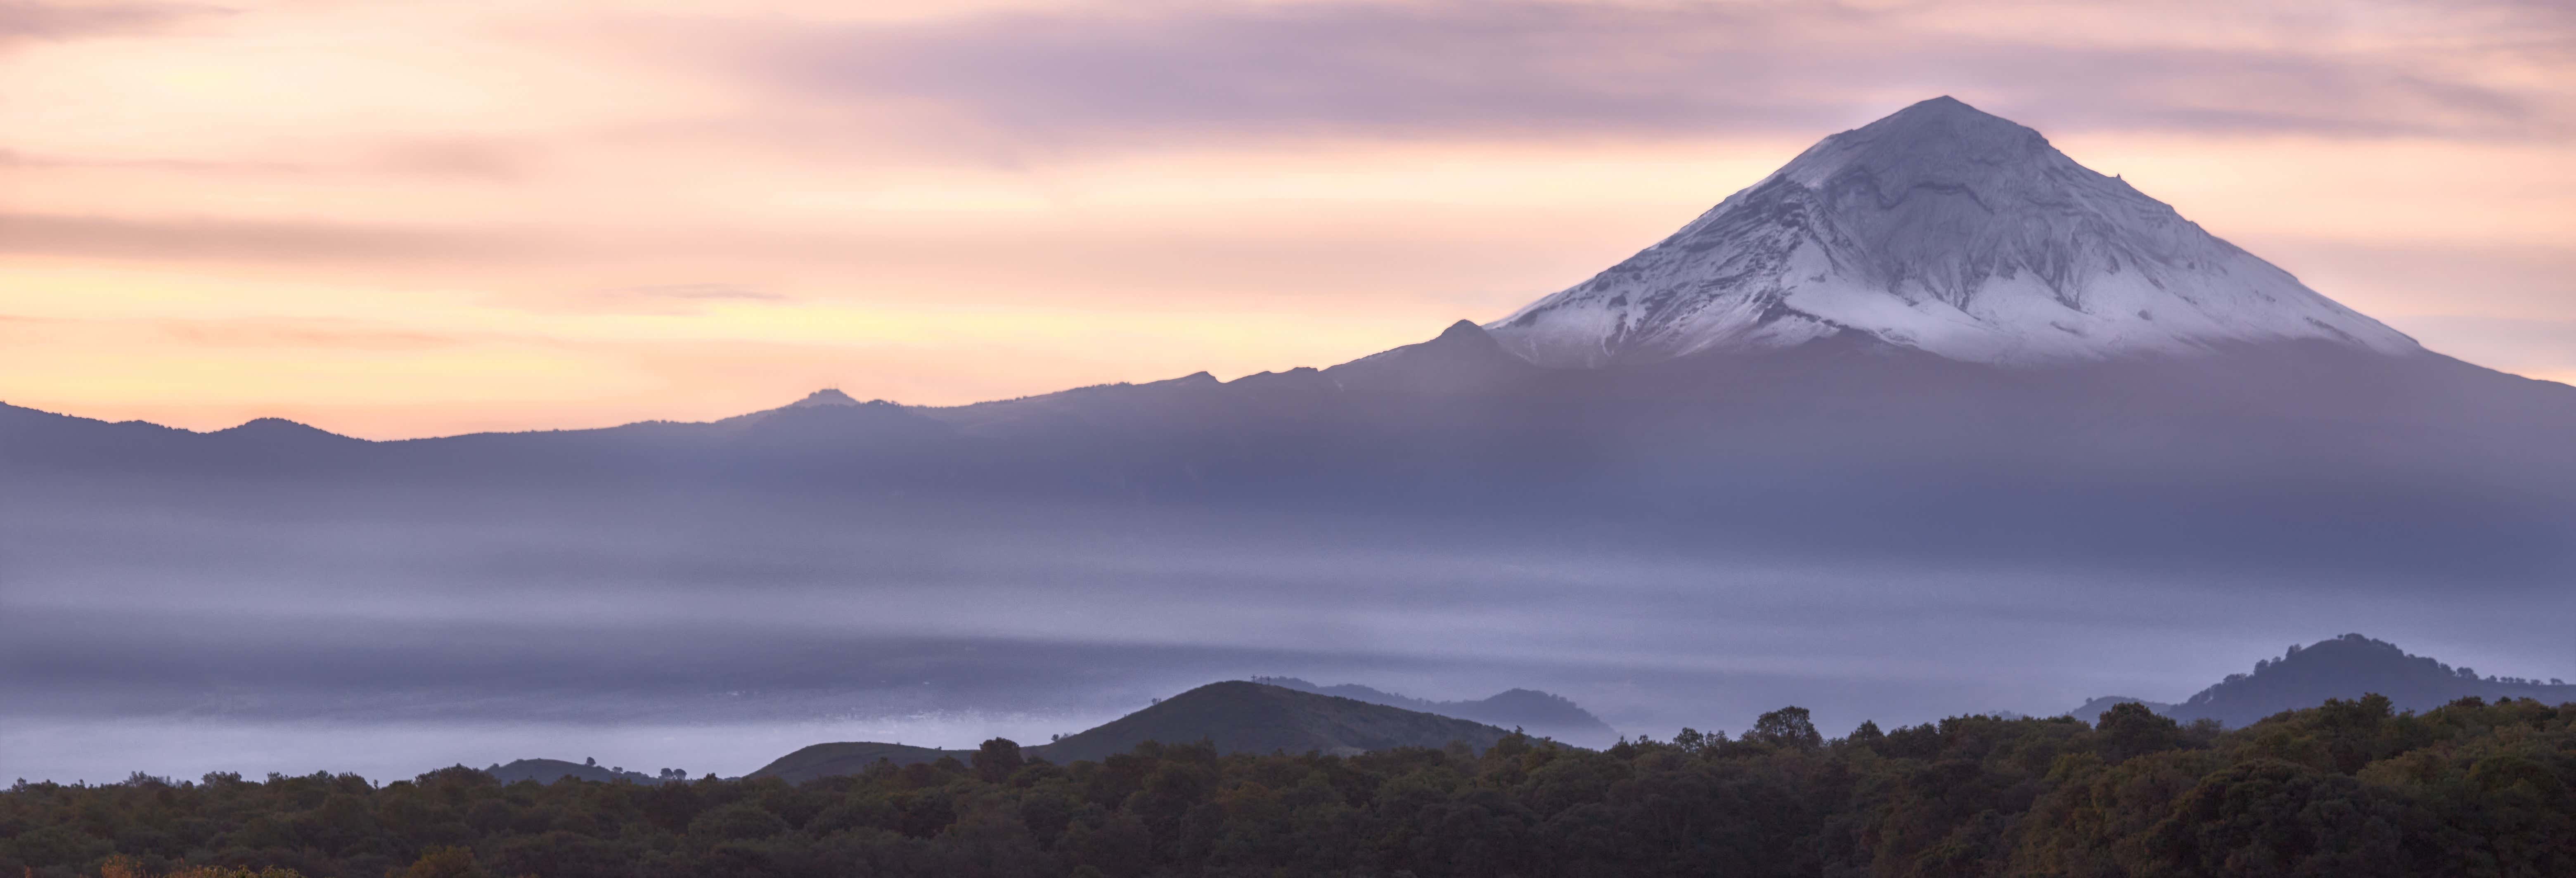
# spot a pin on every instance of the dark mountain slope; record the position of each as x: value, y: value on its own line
x: 1234, y: 716
x: 1538, y: 713
x: 849, y: 757
x: 1148, y: 405
x: 1244, y: 717
x: 2275, y: 459
x: 2346, y: 667
x: 1463, y: 360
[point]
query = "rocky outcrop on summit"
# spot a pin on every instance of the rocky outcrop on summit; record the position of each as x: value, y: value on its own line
x: 1944, y: 229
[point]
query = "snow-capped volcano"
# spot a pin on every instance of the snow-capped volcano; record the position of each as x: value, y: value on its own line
x: 1945, y: 229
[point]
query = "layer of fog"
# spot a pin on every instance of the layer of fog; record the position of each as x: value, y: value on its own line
x: 389, y: 636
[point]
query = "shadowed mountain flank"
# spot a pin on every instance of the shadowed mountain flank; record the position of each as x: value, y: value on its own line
x: 1233, y: 717
x: 1244, y: 717
x: 848, y: 757
x: 1538, y: 713
x: 2346, y: 667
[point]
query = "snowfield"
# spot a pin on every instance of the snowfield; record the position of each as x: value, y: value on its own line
x: 1944, y: 229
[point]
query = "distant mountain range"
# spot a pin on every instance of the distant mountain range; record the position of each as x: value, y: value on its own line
x: 1538, y: 713
x: 1234, y: 716
x: 1287, y: 714
x: 1935, y: 335
x: 2346, y: 667
x: 1259, y: 716
x: 1928, y: 350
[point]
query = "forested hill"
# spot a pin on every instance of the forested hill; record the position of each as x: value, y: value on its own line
x: 2350, y: 789
x: 848, y: 757
x: 1244, y: 717
x: 551, y: 770
x: 1539, y: 713
x: 2345, y: 667
x: 1233, y: 717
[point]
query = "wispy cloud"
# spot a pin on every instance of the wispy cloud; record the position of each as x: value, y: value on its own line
x: 655, y: 299
x: 287, y: 241
x: 476, y: 159
x: 697, y: 293
x: 23, y: 20
x: 263, y: 332
x: 709, y: 205
x: 454, y: 158
x: 300, y: 333
x: 1449, y: 69
x: 10, y: 158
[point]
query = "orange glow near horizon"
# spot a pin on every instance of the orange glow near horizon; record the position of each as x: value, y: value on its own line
x: 396, y: 221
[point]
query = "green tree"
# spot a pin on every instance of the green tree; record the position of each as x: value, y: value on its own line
x: 1787, y: 727
x: 2130, y: 729
x: 997, y: 760
x: 445, y: 862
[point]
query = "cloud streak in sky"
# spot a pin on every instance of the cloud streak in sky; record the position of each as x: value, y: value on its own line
x: 257, y: 240
x: 698, y: 293
x: 700, y: 208
x: 21, y: 20
x: 1555, y: 70
x: 273, y: 334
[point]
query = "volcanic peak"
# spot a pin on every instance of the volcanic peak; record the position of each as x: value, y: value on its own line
x: 1945, y: 229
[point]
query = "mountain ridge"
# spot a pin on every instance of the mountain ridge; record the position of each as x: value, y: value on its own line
x: 2307, y: 456
x: 1541, y: 714
x: 1233, y: 716
x: 2346, y: 667
x: 1938, y: 229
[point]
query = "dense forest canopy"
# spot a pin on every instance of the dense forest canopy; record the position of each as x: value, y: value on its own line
x: 2351, y: 788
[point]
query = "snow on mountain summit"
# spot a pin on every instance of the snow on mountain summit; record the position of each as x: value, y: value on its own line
x: 1940, y: 228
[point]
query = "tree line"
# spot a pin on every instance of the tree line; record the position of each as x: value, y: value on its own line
x: 2351, y: 788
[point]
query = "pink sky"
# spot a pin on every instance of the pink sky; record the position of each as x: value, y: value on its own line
x: 400, y: 219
